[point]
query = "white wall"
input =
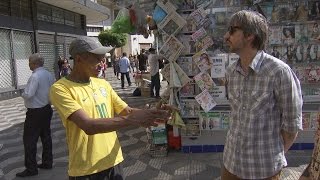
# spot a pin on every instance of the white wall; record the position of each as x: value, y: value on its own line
x: 135, y: 41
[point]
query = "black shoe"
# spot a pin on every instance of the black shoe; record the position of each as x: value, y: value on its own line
x: 43, y: 166
x: 26, y: 173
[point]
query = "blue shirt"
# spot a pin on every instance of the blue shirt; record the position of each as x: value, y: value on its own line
x: 36, y: 93
x: 124, y: 64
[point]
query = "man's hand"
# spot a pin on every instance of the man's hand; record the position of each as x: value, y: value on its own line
x: 162, y: 106
x: 147, y: 117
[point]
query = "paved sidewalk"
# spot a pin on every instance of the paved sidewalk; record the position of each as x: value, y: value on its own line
x: 137, y: 165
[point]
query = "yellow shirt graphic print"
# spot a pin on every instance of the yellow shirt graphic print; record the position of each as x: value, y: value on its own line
x: 88, y: 154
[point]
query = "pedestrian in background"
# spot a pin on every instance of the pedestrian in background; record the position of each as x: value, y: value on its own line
x: 136, y: 62
x: 124, y: 64
x: 65, y: 68
x: 153, y: 60
x: 131, y: 59
x: 87, y: 106
x: 60, y: 62
x: 142, y: 59
x: 38, y: 117
x: 103, y: 65
x: 117, y: 66
x: 265, y: 100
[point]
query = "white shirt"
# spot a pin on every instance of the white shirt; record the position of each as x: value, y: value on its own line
x: 154, y: 63
x: 36, y: 93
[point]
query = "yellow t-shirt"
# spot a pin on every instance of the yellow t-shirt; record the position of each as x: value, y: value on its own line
x: 88, y: 154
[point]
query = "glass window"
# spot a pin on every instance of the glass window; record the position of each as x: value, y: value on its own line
x: 57, y: 15
x: 44, y: 12
x: 78, y: 21
x: 5, y: 7
x: 21, y: 9
x: 69, y: 18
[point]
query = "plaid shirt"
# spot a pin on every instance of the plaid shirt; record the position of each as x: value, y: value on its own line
x: 262, y: 102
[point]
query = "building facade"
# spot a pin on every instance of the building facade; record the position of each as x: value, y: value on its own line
x: 44, y: 26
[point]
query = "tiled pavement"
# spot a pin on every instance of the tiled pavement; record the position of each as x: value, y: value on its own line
x: 138, y: 163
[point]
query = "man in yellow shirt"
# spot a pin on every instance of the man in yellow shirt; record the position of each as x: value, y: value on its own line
x: 87, y: 106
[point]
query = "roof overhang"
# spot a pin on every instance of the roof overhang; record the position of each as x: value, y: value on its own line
x: 94, y: 12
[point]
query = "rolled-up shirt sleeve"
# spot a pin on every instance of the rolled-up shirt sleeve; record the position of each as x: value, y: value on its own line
x: 288, y: 92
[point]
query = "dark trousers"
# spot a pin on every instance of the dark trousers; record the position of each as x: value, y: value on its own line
x: 155, y: 84
x: 37, y: 124
x: 113, y: 173
x: 122, y: 79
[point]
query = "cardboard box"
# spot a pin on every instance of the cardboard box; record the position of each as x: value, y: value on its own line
x: 145, y: 91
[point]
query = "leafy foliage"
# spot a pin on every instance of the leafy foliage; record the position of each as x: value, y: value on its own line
x: 109, y: 38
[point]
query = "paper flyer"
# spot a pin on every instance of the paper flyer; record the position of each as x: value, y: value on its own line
x: 275, y: 35
x: 306, y: 120
x: 172, y: 24
x: 199, y: 34
x: 218, y: 92
x: 204, y: 43
x: 171, y: 48
x: 187, y: 90
x: 204, y: 81
x: 165, y: 71
x: 188, y: 66
x: 189, y: 45
x: 178, y: 78
x: 198, y: 15
x: 191, y: 130
x: 313, y: 74
x: 225, y: 120
x: 214, y: 120
x: 162, y: 12
x: 202, y: 60
x: 190, y: 26
x: 203, y: 121
x: 218, y: 69
x: 314, y: 119
x: 189, y: 108
x: 206, y: 101
x: 310, y: 93
x: 184, y: 78
x: 165, y: 94
x: 168, y: 6
x: 184, y: 5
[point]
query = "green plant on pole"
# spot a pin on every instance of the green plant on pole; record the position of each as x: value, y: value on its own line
x: 109, y: 38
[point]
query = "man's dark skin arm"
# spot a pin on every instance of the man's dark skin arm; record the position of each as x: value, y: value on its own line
x: 129, y: 116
